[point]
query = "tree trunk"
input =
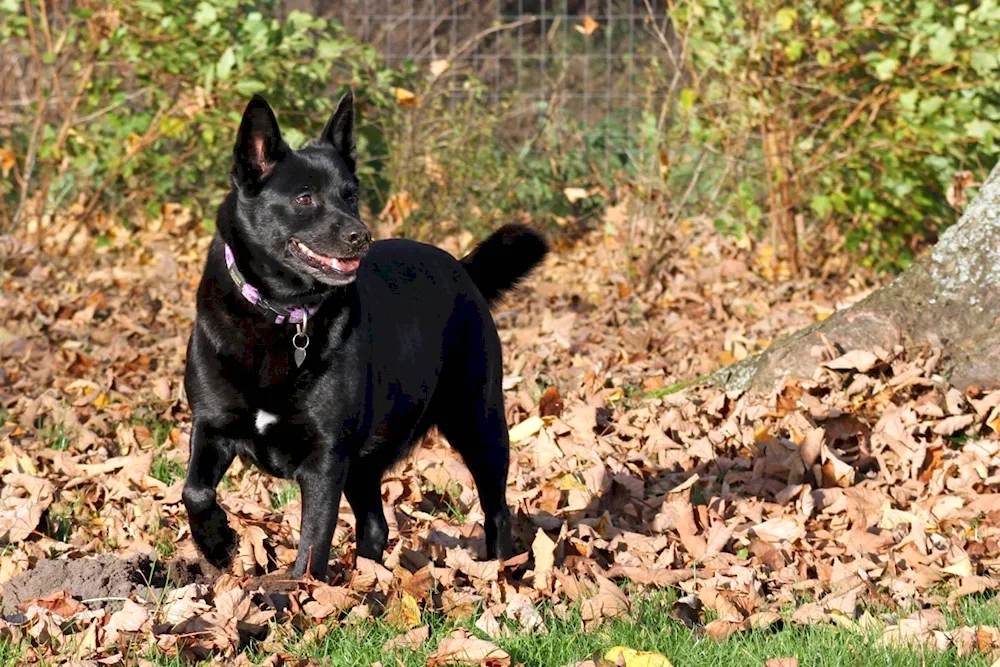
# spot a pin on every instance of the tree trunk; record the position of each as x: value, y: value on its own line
x: 950, y: 299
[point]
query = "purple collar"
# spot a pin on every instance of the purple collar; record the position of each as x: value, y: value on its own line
x: 252, y: 294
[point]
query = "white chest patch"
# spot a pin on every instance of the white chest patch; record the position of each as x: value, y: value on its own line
x: 264, y: 419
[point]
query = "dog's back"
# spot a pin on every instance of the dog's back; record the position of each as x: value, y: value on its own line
x: 433, y: 343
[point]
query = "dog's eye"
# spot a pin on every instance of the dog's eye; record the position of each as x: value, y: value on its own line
x: 350, y: 197
x: 304, y: 199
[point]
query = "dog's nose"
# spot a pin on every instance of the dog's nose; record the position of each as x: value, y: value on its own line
x: 359, y: 239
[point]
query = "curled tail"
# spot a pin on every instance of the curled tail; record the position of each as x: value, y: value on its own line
x: 500, y: 262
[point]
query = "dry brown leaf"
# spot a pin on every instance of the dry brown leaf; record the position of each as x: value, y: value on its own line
x: 952, y: 425
x: 543, y: 550
x: 59, y: 603
x: 720, y: 629
x: 468, y: 651
x: 132, y: 617
x: 782, y: 662
x: 609, y: 602
x: 588, y: 27
x: 403, y: 612
x: 779, y: 529
x: 521, y: 610
x: 490, y: 626
x: 410, y: 640
x: 855, y: 360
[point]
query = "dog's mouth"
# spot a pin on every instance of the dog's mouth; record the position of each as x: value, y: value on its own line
x: 341, y: 266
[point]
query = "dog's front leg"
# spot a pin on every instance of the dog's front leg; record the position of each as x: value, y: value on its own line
x: 211, y: 455
x: 321, y: 481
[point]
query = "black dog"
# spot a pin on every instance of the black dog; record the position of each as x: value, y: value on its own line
x: 322, y: 357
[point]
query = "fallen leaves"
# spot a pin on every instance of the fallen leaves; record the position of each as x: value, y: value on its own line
x: 403, y: 612
x: 606, y: 603
x: 463, y: 649
x: 626, y: 657
x: 24, y: 499
x: 868, y: 484
x: 409, y: 640
x: 525, y: 429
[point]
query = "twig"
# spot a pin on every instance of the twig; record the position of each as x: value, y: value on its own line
x: 29, y: 158
x: 111, y: 107
x: 675, y: 217
x: 43, y: 190
x: 107, y: 599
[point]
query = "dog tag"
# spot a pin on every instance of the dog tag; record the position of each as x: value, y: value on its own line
x: 300, y: 342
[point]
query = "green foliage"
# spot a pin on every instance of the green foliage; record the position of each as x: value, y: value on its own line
x: 857, y: 114
x: 165, y: 468
x: 780, y: 118
x: 163, y: 84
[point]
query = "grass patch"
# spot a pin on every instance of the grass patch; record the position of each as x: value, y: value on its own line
x: 9, y: 653
x: 52, y: 436
x: 284, y: 493
x: 59, y: 522
x: 165, y: 468
x: 159, y: 429
x: 652, y: 628
x: 445, y: 501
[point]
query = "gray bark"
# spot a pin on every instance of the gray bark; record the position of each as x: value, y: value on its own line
x: 949, y: 298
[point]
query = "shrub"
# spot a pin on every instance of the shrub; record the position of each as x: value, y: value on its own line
x: 856, y: 115
x: 136, y: 103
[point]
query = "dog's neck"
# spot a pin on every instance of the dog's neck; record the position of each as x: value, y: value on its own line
x: 280, y: 313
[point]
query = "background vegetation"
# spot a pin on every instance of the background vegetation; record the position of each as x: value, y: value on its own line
x: 805, y: 126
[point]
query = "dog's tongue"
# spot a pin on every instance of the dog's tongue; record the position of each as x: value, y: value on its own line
x: 345, y: 265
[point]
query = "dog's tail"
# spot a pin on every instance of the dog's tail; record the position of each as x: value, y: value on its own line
x: 504, y: 259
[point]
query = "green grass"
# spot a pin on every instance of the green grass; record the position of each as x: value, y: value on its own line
x: 653, y: 629
x: 284, y: 493
x: 159, y: 429
x: 59, y: 522
x: 52, y: 435
x: 165, y: 468
x: 9, y: 653
x: 448, y: 503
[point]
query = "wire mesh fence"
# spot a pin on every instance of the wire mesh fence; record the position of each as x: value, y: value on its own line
x: 594, y: 65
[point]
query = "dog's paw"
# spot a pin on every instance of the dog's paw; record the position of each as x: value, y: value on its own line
x: 216, y: 540
x: 220, y: 549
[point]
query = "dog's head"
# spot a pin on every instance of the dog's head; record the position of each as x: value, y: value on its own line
x: 300, y: 208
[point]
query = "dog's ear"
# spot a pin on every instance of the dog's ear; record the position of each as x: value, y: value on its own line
x: 339, y: 131
x: 258, y: 145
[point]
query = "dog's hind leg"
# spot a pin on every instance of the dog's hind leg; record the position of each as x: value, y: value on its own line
x: 364, y: 492
x: 479, y: 433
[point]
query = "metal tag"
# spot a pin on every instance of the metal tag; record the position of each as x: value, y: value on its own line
x: 300, y: 355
